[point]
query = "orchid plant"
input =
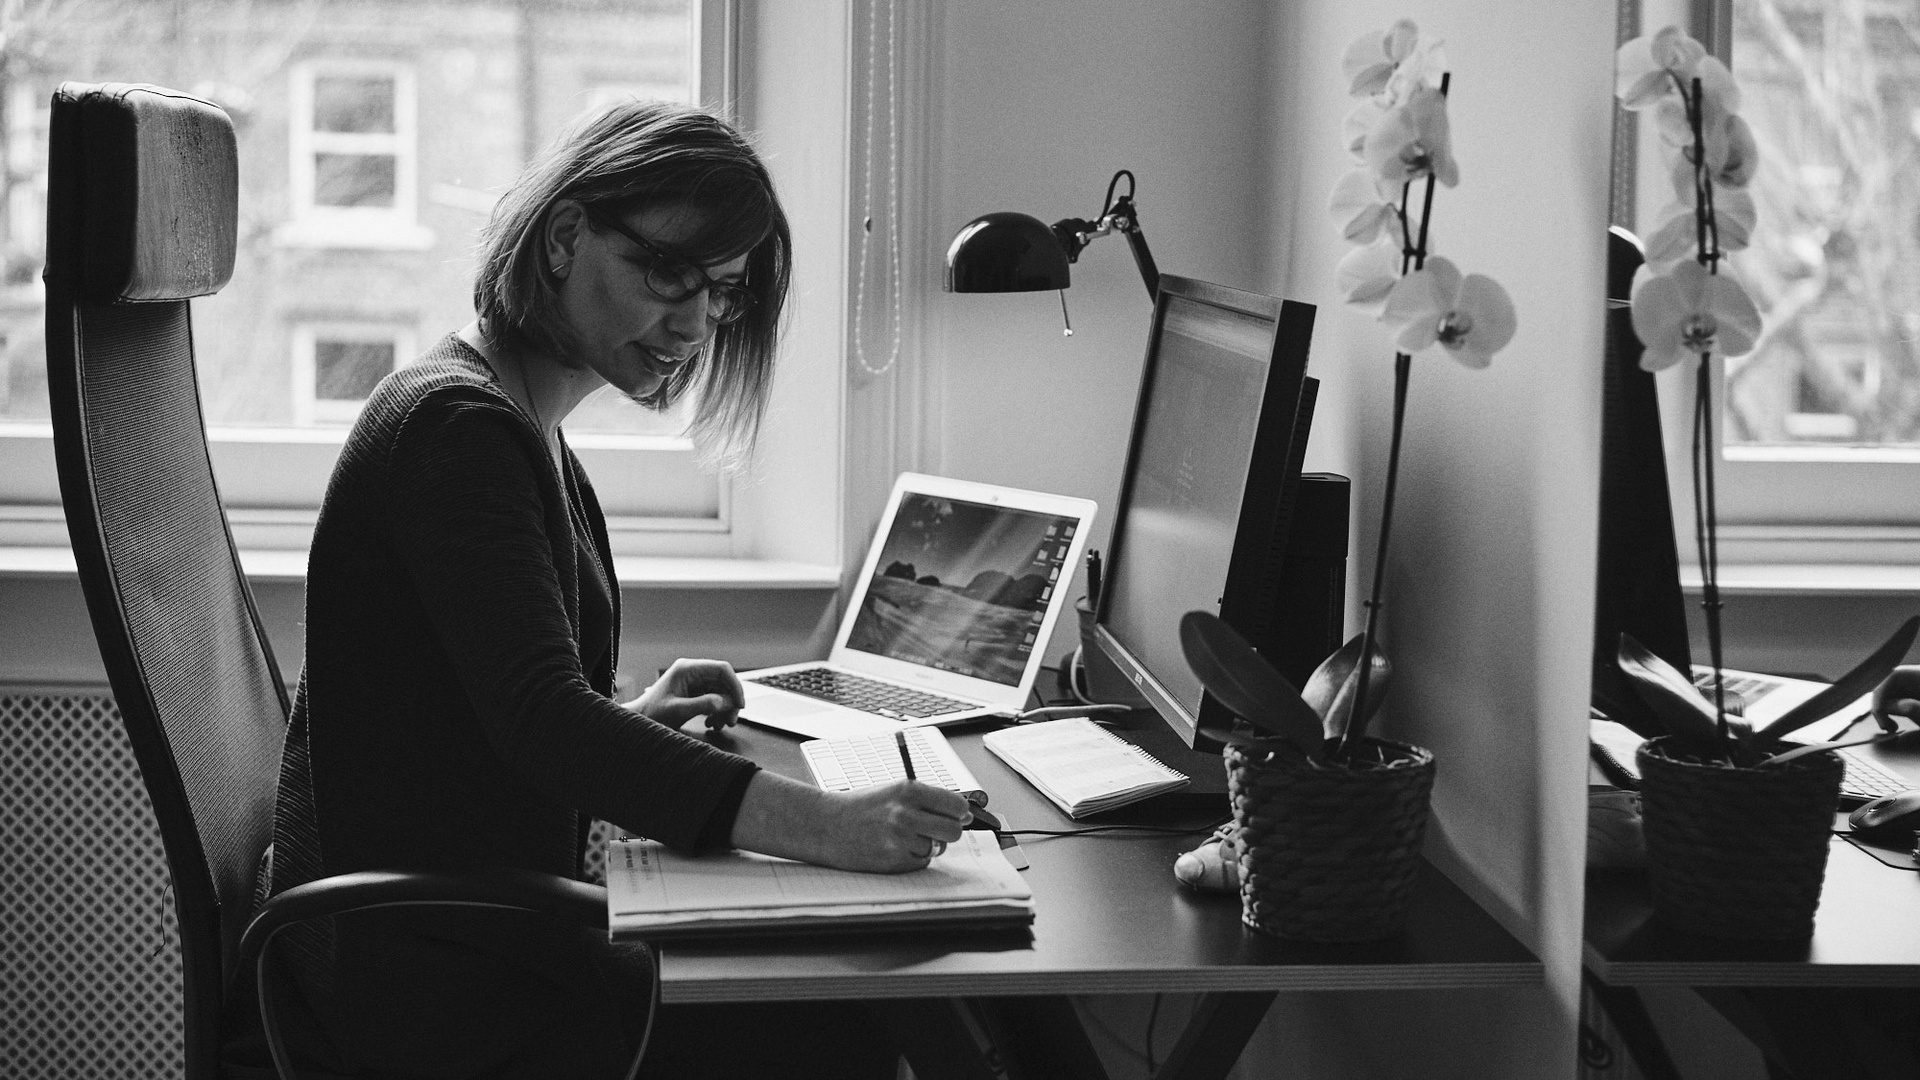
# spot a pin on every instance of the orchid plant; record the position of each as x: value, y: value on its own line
x: 1686, y: 306
x: 1400, y: 141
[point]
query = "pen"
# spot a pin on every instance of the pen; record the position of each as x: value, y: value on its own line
x: 906, y: 759
x: 1093, y: 579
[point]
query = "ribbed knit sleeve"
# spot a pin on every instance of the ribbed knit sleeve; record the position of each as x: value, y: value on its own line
x: 473, y: 507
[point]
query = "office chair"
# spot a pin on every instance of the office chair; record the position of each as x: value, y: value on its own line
x: 141, y: 216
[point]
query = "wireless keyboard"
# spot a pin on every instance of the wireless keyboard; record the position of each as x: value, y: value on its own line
x: 865, y: 760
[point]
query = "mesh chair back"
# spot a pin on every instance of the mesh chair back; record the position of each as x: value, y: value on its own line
x: 141, y: 215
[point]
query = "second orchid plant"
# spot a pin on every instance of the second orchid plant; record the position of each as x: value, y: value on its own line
x: 1402, y: 147
x: 1686, y: 306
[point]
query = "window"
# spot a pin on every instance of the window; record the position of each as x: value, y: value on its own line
x: 1820, y: 424
x: 374, y: 138
x: 337, y: 365
x: 354, y: 169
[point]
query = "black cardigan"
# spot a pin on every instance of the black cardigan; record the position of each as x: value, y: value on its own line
x: 454, y: 709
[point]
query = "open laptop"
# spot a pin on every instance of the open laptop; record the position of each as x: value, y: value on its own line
x: 1761, y: 699
x: 949, y: 617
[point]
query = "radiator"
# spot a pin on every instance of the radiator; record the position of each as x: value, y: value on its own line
x: 89, y: 959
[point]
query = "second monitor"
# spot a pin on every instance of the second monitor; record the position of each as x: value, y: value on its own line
x: 1213, y: 513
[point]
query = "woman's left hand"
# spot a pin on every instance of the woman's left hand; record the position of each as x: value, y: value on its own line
x: 693, y: 688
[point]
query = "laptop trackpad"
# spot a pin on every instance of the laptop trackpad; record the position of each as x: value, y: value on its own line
x: 773, y: 706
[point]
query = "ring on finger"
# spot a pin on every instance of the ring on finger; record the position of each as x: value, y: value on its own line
x: 933, y: 851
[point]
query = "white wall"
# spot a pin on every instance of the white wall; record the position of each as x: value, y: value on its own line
x: 1230, y: 114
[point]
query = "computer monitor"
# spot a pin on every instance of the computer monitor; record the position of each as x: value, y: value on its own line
x: 1637, y: 579
x: 1213, y: 468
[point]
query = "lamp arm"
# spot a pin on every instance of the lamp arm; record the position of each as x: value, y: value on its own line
x: 1124, y: 220
x: 1074, y: 234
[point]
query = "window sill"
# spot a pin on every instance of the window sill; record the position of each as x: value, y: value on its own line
x: 1810, y: 579
x: 635, y: 572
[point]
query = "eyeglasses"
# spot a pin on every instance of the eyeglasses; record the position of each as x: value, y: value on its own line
x: 674, y: 279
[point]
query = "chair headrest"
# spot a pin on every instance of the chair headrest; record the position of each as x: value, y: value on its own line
x: 144, y: 189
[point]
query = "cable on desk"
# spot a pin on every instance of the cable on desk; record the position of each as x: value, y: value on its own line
x: 1168, y: 829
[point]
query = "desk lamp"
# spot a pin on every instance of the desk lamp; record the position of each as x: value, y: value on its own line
x: 1012, y: 252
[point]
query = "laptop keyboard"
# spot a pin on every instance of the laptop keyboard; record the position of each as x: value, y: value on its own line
x: 1864, y: 781
x: 867, y: 695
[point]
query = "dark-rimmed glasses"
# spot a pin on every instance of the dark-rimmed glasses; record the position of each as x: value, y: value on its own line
x: 674, y: 279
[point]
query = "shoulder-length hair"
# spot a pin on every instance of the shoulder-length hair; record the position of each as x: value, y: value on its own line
x: 637, y: 155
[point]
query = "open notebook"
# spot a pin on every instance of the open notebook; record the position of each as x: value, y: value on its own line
x: 1082, y: 767
x: 656, y: 893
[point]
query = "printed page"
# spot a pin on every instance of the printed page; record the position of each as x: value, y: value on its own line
x: 645, y: 877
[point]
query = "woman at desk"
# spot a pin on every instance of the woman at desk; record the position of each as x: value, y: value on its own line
x: 455, y: 705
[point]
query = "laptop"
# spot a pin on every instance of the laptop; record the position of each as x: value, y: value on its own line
x: 1761, y: 699
x: 949, y: 617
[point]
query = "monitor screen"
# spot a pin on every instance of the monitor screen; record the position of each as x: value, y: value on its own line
x: 1211, y: 471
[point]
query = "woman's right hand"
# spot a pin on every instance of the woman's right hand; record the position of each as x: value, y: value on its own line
x: 888, y: 828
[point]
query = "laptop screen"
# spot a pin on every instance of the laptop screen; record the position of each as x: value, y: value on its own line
x: 962, y: 586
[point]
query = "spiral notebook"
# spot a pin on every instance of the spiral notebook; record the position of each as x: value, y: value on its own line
x: 1082, y: 767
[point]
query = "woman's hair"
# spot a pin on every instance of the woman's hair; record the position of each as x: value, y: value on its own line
x: 634, y: 156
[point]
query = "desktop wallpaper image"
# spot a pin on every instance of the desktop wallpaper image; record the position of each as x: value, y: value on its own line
x: 962, y: 587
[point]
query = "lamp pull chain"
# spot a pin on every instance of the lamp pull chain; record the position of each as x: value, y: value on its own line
x: 1064, y: 317
x: 892, y: 224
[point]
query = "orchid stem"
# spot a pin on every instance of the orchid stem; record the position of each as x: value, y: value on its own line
x: 1356, y: 719
x: 1416, y: 253
x: 1706, y: 535
x: 1706, y: 527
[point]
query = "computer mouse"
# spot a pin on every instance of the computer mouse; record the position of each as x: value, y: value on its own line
x: 1890, y: 819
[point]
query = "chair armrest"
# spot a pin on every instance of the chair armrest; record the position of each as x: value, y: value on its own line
x: 525, y: 890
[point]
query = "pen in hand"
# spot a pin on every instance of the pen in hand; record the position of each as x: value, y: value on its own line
x: 906, y: 759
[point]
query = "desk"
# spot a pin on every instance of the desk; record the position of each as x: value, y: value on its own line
x: 1110, y: 919
x: 1866, y: 935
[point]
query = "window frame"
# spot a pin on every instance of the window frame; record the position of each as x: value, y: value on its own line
x: 305, y: 336
x: 1776, y: 505
x: 659, y: 504
x: 310, y: 224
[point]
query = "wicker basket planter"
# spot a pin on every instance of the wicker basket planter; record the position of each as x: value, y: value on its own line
x: 1328, y: 852
x: 1737, y: 852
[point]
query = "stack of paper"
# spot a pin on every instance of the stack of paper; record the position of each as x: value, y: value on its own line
x: 656, y: 893
x: 1081, y: 766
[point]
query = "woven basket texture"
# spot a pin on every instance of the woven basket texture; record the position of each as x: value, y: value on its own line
x: 1328, y: 852
x: 1737, y: 852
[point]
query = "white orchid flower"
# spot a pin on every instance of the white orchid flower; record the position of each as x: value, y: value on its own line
x: 1369, y: 63
x: 1412, y: 140
x: 1469, y: 318
x: 1366, y: 274
x: 1677, y: 237
x: 1649, y: 70
x: 1357, y: 204
x: 1686, y: 312
x: 1359, y: 124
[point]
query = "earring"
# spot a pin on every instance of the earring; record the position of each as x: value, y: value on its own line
x: 560, y: 272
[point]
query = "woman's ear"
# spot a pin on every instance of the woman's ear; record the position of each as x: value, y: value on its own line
x: 561, y: 235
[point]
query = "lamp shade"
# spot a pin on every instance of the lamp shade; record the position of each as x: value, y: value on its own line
x: 1006, y: 252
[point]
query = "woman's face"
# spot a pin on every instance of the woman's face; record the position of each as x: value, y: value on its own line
x: 619, y: 328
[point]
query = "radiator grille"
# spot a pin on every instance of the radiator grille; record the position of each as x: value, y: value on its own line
x: 87, y: 937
